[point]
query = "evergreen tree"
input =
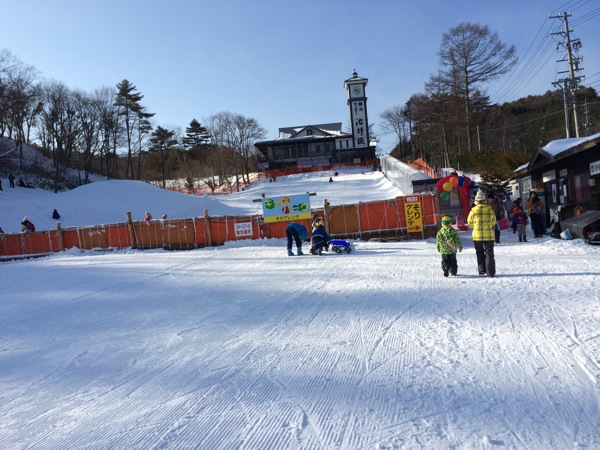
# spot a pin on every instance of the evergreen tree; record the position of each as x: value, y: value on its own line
x: 130, y: 109
x: 195, y: 135
x: 160, y: 142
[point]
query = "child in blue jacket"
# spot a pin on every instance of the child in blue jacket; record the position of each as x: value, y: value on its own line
x: 319, y: 239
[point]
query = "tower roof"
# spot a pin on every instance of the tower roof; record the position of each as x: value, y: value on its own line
x: 355, y: 79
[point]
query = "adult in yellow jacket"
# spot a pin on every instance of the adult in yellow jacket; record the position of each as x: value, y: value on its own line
x: 482, y: 219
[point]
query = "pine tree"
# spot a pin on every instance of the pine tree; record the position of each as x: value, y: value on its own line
x: 161, y: 141
x: 195, y: 135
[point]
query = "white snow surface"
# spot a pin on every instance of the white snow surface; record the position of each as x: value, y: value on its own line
x: 243, y: 347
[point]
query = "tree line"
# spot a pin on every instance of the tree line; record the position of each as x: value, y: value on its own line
x: 110, y: 132
x: 452, y: 123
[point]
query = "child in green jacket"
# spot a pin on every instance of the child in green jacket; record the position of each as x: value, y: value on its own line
x: 448, y: 243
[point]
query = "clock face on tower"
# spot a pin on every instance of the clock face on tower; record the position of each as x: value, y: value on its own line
x: 356, y: 91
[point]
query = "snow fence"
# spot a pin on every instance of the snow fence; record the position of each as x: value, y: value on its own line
x: 386, y: 219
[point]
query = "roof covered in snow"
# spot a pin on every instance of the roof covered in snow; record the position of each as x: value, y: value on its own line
x: 555, y: 148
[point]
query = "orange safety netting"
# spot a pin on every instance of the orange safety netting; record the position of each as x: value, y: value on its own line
x: 361, y: 221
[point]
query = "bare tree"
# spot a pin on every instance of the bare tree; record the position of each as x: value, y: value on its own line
x: 108, y: 117
x: 472, y: 54
x: 60, y: 127
x: 394, y: 122
x: 20, y: 99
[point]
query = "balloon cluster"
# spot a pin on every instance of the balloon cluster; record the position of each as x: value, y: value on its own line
x: 454, y: 181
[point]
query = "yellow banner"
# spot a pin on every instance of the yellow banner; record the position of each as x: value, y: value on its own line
x: 414, y: 213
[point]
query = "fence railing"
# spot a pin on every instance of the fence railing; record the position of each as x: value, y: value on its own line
x: 384, y: 219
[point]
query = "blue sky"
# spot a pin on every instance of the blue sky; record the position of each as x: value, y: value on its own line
x: 281, y: 62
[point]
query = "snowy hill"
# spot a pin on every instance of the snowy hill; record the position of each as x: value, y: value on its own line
x: 241, y: 346
x: 105, y: 202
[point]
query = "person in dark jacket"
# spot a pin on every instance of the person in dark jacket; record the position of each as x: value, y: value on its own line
x: 499, y: 211
x: 55, y: 214
x: 11, y: 180
x: 535, y: 208
x: 319, y: 238
x: 295, y: 232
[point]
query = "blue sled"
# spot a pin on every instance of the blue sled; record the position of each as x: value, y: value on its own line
x: 340, y: 246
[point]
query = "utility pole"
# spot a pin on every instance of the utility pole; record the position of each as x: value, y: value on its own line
x: 570, y: 84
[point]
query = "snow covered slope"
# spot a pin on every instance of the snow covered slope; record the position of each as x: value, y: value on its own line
x: 243, y: 347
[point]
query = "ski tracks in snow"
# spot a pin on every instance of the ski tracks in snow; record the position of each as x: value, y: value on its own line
x: 247, y: 348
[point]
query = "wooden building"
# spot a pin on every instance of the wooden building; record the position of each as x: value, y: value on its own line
x: 567, y: 174
x: 324, y: 145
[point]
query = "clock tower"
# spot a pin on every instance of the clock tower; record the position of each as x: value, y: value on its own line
x: 357, y: 101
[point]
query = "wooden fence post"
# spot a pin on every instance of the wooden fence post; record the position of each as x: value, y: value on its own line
x: 131, y: 230
x: 207, y: 228
x: 61, y: 245
x: 326, y: 212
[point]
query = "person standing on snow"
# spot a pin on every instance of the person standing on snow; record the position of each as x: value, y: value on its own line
x: 482, y: 219
x: 448, y: 243
x: 535, y: 208
x: 55, y: 214
x: 499, y: 211
x: 295, y: 232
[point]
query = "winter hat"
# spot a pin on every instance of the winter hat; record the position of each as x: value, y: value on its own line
x: 480, y: 197
x: 25, y: 219
x: 446, y: 220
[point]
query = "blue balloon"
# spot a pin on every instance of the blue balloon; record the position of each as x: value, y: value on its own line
x: 461, y: 181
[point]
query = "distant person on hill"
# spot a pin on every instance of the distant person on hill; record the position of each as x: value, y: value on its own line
x: 295, y: 232
x: 1, y: 186
x: 21, y: 183
x: 26, y: 226
x: 11, y: 180
x: 147, y: 217
x: 55, y: 214
x: 448, y: 243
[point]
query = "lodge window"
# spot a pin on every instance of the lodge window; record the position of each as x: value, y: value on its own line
x: 583, y: 191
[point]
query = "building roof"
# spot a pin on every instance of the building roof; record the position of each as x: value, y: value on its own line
x: 355, y: 79
x: 306, y: 133
x: 557, y: 149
